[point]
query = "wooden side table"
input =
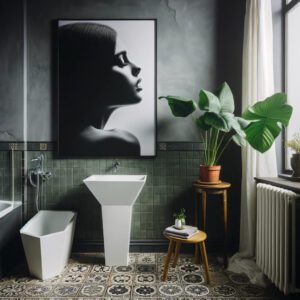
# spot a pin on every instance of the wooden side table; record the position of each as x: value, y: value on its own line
x: 213, y: 189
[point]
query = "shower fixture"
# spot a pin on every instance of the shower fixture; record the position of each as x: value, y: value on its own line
x: 37, y: 175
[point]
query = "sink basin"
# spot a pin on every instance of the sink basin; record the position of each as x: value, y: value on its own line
x: 115, y: 189
x: 116, y: 194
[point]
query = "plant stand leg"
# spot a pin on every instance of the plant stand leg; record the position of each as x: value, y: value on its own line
x: 225, y: 227
x: 204, y: 209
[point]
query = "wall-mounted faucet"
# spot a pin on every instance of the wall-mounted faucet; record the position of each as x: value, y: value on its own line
x: 116, y: 164
x: 38, y: 170
x: 35, y: 174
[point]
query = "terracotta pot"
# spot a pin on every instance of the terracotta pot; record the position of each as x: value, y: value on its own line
x: 210, y: 173
x: 295, y: 164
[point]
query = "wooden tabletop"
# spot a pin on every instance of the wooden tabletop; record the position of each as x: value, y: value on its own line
x: 196, y: 238
x: 206, y: 185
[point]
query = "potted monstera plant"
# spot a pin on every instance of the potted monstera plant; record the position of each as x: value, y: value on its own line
x: 259, y: 125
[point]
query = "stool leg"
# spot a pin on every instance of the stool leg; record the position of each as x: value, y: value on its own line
x: 168, y: 258
x: 177, y: 250
x: 205, y: 261
x: 197, y: 258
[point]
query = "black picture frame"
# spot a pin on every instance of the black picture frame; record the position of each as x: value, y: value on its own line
x: 106, y: 87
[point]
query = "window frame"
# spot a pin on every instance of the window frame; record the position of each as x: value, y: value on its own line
x: 287, y: 6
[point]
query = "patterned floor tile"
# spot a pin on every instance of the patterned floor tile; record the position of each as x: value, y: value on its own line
x: 12, y: 290
x: 185, y: 260
x: 73, y: 278
x: 146, y: 278
x: 101, y: 269
x: 92, y: 290
x: 66, y: 290
x: 97, y: 278
x: 79, y: 268
x: 86, y: 278
x: 121, y: 278
x: 224, y: 290
x: 145, y: 268
x: 196, y: 290
x: 170, y: 290
x: 118, y: 290
x: 123, y: 269
x: 171, y: 277
x: 160, y: 269
x: 189, y: 268
x: 38, y: 290
x: 192, y: 278
x: 146, y: 258
x: 160, y: 258
x: 145, y: 290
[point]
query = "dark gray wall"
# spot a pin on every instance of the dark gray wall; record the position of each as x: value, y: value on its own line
x: 186, y: 55
x: 199, y: 45
x: 11, y: 70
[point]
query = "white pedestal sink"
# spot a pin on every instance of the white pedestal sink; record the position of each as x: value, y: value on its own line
x: 116, y: 194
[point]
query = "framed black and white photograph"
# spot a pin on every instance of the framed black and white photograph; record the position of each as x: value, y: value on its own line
x: 106, y: 88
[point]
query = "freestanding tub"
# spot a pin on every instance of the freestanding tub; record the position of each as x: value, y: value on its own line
x: 47, y: 240
x: 10, y: 242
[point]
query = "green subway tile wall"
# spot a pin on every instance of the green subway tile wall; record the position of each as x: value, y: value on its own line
x: 168, y: 188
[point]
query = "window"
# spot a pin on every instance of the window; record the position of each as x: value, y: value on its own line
x: 292, y: 70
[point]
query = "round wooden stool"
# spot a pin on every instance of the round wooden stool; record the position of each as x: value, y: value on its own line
x: 197, y: 239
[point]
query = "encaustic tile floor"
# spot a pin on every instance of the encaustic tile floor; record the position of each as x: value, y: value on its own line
x: 86, y: 277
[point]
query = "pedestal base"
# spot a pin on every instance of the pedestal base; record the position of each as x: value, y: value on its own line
x: 116, y: 231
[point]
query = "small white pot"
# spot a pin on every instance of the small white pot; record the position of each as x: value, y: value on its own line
x: 179, y: 223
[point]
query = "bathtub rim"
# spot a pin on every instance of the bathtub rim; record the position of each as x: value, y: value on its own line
x: 13, y: 205
x: 24, y: 230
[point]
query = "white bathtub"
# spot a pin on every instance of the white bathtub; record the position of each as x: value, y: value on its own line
x: 7, y: 206
x: 47, y: 240
x: 10, y: 242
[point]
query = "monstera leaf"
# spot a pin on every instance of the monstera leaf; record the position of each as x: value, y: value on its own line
x: 179, y: 106
x: 266, y: 119
x: 225, y: 96
x: 209, y: 102
x: 218, y: 111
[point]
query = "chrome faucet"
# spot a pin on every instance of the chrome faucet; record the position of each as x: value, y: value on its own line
x: 116, y: 164
x: 38, y: 170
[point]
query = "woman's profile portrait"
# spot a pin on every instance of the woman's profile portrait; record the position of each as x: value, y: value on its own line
x: 106, y: 106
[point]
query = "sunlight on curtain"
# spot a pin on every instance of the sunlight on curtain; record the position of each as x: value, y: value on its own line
x: 258, y: 83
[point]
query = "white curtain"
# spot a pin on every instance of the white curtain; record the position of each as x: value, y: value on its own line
x: 257, y: 84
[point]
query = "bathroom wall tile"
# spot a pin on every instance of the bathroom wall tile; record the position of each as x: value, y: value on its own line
x: 168, y: 187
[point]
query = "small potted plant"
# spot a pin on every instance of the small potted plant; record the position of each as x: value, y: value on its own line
x: 259, y: 125
x: 294, y: 144
x: 179, y: 219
